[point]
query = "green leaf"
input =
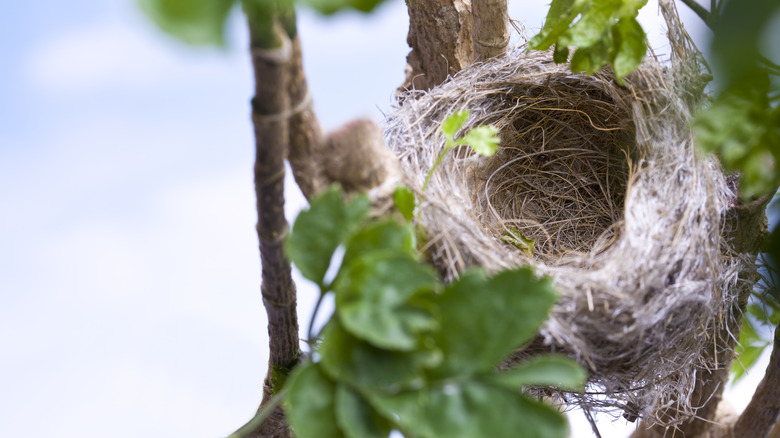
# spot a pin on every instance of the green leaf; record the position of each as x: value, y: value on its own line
x: 380, y: 235
x: 590, y: 59
x: 630, y: 47
x: 750, y: 347
x: 453, y: 123
x: 744, y: 130
x: 329, y: 7
x: 468, y: 409
x: 747, y: 358
x: 519, y: 240
x: 318, y: 231
x: 191, y: 21
x: 310, y: 403
x: 560, y: 16
x: 517, y: 304
x: 348, y: 359
x: 483, y: 139
x: 356, y: 417
x: 373, y: 294
x: 602, y: 31
x: 548, y: 370
x: 404, y: 201
x: 596, y: 20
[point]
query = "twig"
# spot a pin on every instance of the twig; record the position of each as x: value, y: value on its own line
x: 704, y: 14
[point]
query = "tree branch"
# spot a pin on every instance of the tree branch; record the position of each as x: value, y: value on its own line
x: 490, y: 33
x: 763, y: 411
x: 440, y: 38
x: 270, y: 112
x: 306, y: 134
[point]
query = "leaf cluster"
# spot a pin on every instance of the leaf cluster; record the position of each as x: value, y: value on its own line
x: 483, y: 140
x: 603, y: 32
x: 404, y: 351
x: 743, y: 123
x: 203, y: 22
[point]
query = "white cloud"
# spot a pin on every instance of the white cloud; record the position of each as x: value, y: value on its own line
x: 117, y: 54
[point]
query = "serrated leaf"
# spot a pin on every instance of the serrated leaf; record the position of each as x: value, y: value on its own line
x: 517, y: 303
x: 310, y: 403
x: 404, y: 200
x: 373, y: 294
x: 602, y: 31
x: 381, y: 235
x: 453, y: 123
x: 357, y: 418
x: 470, y: 408
x: 548, y: 370
x: 198, y: 22
x: 483, y: 139
x: 630, y: 47
x: 348, y: 359
x: 318, y: 231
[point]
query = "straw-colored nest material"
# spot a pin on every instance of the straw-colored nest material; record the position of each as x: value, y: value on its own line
x: 625, y: 218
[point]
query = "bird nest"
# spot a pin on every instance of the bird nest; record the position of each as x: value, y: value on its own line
x: 597, y: 185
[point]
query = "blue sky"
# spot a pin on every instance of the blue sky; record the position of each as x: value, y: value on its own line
x: 129, y: 274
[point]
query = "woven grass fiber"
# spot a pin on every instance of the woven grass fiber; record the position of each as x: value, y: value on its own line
x: 624, y: 216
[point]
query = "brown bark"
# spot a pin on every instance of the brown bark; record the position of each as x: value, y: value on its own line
x: 440, y: 38
x: 491, y: 28
x: 356, y: 157
x: 305, y: 132
x: 270, y: 111
x: 763, y: 411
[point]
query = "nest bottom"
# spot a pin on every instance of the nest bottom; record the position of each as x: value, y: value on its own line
x: 559, y: 180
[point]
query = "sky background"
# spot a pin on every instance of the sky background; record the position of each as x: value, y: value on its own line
x: 129, y: 272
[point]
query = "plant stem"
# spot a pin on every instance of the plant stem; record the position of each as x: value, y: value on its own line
x: 705, y: 15
x: 436, y: 164
x: 311, y: 337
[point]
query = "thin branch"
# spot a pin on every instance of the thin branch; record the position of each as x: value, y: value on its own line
x: 763, y: 411
x: 704, y: 14
x: 490, y: 33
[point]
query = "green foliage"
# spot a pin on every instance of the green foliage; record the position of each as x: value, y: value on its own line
x: 202, y: 22
x: 744, y: 130
x: 404, y: 351
x: 329, y: 7
x: 191, y: 21
x: 743, y: 123
x: 318, y: 231
x: 482, y: 139
x: 606, y: 32
x: 404, y: 201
